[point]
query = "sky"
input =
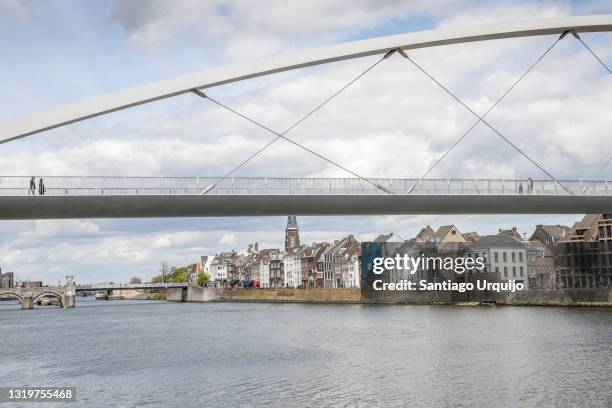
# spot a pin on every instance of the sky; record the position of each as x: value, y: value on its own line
x: 394, y: 122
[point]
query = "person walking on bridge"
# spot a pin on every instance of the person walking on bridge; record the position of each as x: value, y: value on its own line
x: 32, y: 186
x: 529, y: 186
x: 41, y: 187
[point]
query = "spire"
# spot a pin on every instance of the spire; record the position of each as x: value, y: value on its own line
x: 292, y: 235
x: 292, y: 222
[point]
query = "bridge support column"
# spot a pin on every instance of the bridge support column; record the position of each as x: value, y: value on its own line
x: 27, y: 303
x: 69, y: 300
x: 70, y: 292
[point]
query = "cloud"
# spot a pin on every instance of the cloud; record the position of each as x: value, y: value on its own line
x: 155, y: 22
x: 250, y: 29
x: 15, y: 8
x: 227, y: 239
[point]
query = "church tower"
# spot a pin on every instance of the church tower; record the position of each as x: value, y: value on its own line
x: 292, y: 234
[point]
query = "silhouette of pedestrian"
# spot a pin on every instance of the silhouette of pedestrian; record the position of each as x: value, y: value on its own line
x: 521, y: 188
x: 32, y: 186
x: 529, y: 185
x: 41, y: 187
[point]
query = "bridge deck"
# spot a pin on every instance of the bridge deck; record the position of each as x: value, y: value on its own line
x: 148, y: 197
x: 103, y: 186
x: 131, y: 197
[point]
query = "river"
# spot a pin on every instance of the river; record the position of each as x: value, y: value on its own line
x: 143, y: 353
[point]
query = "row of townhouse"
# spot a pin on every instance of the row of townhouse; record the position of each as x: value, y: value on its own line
x: 320, y: 265
x: 505, y: 255
x: 553, y: 257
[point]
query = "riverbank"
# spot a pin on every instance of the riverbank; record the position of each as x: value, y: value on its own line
x: 570, y: 297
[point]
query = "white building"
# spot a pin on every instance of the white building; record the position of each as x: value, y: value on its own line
x: 502, y: 254
x: 351, y: 272
x: 292, y: 269
x: 262, y: 262
x: 206, y: 261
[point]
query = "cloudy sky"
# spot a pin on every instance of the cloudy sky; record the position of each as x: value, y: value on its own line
x: 392, y: 123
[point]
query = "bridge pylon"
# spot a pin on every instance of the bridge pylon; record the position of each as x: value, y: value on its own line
x: 70, y: 292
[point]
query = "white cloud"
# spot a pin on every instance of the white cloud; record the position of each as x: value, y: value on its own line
x: 227, y: 239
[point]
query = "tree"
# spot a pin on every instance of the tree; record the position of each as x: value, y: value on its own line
x: 202, y: 279
x: 174, y: 275
x: 135, y: 280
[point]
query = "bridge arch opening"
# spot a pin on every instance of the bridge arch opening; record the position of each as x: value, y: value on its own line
x: 12, y: 296
x: 49, y: 294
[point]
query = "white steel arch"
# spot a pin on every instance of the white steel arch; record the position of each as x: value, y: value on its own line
x: 123, y: 99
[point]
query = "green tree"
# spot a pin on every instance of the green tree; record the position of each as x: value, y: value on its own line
x: 202, y: 279
x: 179, y: 275
x: 174, y: 275
x: 135, y: 280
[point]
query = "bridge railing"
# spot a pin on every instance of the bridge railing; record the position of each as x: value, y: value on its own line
x: 87, y: 186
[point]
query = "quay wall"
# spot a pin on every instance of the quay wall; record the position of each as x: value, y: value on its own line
x: 570, y: 297
x: 345, y: 295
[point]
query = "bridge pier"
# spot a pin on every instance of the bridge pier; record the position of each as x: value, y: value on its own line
x: 69, y: 301
x: 27, y: 303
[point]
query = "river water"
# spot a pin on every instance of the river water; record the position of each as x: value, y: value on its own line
x: 143, y: 353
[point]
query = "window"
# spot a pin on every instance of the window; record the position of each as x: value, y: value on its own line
x: 521, y: 271
x: 497, y: 269
x: 505, y: 257
x: 514, y: 271
x: 506, y: 271
x: 496, y: 256
x: 520, y: 257
x: 513, y: 257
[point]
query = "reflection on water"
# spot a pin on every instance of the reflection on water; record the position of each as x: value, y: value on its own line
x: 127, y: 353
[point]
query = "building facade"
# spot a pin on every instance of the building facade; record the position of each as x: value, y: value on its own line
x: 583, y: 259
x: 6, y: 280
x: 503, y: 255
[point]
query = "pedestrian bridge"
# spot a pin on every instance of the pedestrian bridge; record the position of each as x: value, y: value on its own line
x: 148, y: 197
x: 110, y: 197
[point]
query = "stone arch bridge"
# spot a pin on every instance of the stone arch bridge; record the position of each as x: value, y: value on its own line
x: 28, y: 297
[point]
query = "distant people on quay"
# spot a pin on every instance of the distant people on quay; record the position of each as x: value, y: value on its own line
x: 41, y: 187
x: 32, y: 186
x: 521, y: 188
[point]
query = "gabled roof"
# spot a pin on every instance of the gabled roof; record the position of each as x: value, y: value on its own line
x: 585, y: 229
x: 496, y: 241
x: 391, y: 237
x: 445, y: 230
x: 425, y: 233
x: 471, y: 236
x: 556, y: 231
x: 513, y: 232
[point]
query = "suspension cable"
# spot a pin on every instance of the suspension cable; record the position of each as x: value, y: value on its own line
x: 293, y: 126
x: 516, y: 82
x: 602, y: 168
x: 497, y: 132
x: 575, y: 34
